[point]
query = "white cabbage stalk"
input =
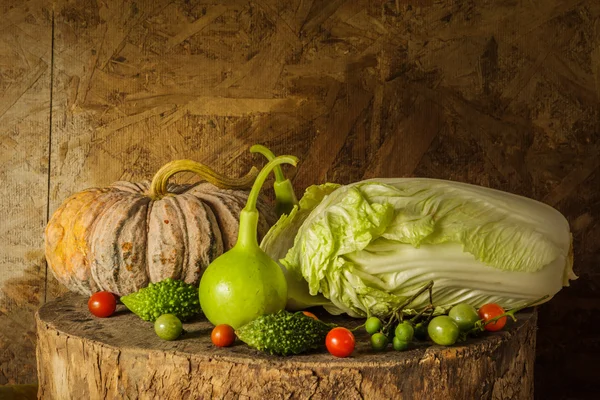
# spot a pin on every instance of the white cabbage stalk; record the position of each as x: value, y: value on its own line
x: 364, y: 248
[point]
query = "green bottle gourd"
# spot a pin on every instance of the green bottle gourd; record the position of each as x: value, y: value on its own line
x: 244, y: 282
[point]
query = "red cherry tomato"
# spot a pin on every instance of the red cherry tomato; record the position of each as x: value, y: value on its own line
x: 222, y: 335
x: 489, y: 311
x: 309, y: 314
x: 340, y: 342
x: 102, y: 304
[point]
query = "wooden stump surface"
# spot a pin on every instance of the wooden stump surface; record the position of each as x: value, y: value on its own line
x: 83, y: 357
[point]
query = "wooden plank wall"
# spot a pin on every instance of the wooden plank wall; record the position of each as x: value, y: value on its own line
x: 501, y: 94
x: 25, y: 74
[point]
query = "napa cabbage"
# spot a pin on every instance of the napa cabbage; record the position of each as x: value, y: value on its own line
x: 364, y: 248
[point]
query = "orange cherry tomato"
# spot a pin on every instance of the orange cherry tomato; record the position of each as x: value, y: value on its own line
x: 489, y: 311
x: 222, y: 335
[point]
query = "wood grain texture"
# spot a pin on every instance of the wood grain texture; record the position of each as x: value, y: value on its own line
x: 25, y: 61
x: 501, y: 94
x: 130, y: 361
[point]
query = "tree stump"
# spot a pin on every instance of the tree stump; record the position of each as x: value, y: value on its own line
x: 84, y: 357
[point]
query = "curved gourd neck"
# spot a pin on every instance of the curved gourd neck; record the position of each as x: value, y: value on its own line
x: 247, y: 235
x: 285, y: 197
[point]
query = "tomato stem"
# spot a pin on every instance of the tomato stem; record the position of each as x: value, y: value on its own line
x: 397, y: 315
x: 429, y: 308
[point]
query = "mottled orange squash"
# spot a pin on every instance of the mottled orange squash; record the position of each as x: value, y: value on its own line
x: 122, y: 237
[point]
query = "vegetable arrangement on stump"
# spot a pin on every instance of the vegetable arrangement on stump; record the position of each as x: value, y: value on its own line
x: 419, y: 263
x: 83, y: 357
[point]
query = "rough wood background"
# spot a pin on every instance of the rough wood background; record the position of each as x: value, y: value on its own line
x: 503, y: 94
x: 25, y: 75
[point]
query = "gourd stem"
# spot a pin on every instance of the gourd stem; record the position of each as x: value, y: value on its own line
x: 158, y: 187
x: 285, y: 197
x: 249, y: 215
x: 259, y: 148
x: 262, y: 176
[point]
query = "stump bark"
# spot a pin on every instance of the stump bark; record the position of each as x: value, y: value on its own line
x: 83, y: 357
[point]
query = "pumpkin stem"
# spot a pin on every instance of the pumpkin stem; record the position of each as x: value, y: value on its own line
x: 285, y: 197
x: 158, y: 187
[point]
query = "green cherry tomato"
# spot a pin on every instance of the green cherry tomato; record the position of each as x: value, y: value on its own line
x: 168, y: 327
x: 443, y: 330
x: 379, y: 341
x: 373, y: 325
x: 405, y: 332
x: 421, y: 331
x: 464, y: 315
x: 399, y: 344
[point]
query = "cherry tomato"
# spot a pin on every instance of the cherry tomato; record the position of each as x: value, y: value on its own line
x: 340, y: 342
x: 102, y: 304
x: 373, y: 325
x: 443, y: 330
x: 404, y: 332
x: 489, y: 311
x: 379, y: 341
x: 168, y: 327
x: 399, y: 344
x: 421, y: 331
x: 464, y: 315
x: 309, y: 314
x: 222, y: 335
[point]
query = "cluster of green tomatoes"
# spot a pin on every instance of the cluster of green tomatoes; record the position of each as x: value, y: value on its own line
x: 462, y: 320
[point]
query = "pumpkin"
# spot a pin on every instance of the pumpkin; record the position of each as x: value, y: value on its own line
x: 124, y: 236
